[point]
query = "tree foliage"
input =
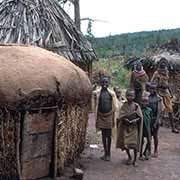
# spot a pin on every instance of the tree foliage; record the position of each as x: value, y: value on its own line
x: 113, y: 68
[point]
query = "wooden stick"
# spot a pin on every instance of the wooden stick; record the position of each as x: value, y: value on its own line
x: 18, y: 140
x: 55, y: 143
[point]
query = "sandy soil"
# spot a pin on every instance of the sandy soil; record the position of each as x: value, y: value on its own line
x: 165, y: 167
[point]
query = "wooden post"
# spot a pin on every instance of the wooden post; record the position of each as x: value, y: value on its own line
x: 55, y: 143
x: 77, y: 14
x: 18, y: 140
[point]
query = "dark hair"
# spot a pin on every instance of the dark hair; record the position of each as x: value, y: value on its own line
x: 107, y: 78
x: 163, y: 63
x: 130, y: 90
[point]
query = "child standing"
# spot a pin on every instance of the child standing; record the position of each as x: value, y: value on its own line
x: 156, y: 104
x: 129, y: 127
x: 147, y: 118
x: 105, y: 106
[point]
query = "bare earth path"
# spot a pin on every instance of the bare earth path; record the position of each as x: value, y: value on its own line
x: 166, y: 167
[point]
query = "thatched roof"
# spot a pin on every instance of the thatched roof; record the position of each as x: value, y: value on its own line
x: 150, y: 63
x: 27, y: 71
x: 44, y: 24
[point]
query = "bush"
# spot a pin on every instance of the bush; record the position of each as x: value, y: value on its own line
x: 113, y: 68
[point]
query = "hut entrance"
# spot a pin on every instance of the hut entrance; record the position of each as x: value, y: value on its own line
x: 37, y: 147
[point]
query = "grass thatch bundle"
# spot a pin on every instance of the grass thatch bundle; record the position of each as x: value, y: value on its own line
x: 72, y: 142
x: 43, y: 104
x: 43, y: 23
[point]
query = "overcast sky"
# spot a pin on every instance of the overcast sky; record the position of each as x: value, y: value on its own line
x: 124, y: 16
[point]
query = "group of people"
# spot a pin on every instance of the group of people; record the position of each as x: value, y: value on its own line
x: 138, y: 118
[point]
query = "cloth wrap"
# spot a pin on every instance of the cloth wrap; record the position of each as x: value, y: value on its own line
x: 129, y: 135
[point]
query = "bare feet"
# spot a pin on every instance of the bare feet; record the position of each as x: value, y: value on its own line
x: 108, y: 158
x: 155, y: 155
x: 175, y: 131
x: 135, y: 164
x: 129, y: 162
x: 103, y: 157
x: 141, y: 158
x: 146, y: 157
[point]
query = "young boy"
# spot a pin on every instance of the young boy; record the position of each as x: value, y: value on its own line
x: 147, y: 118
x: 105, y: 107
x: 129, y: 127
x: 156, y: 104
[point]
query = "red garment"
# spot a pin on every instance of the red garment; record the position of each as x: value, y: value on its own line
x: 139, y: 73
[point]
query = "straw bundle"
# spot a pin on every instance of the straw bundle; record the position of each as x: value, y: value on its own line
x: 71, y: 143
x: 8, y: 146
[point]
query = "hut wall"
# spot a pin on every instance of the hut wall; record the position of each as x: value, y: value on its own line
x: 71, y: 132
x: 72, y: 123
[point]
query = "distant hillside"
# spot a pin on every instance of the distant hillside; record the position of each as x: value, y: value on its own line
x: 138, y: 44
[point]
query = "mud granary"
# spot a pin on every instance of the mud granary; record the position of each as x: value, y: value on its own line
x: 43, y: 112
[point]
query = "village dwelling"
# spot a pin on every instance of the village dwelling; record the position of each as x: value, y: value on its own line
x: 43, y: 112
x: 151, y: 63
x: 45, y: 24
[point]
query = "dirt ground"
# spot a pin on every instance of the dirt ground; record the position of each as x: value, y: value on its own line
x: 165, y: 167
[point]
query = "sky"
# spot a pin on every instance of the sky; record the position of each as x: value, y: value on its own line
x: 124, y: 16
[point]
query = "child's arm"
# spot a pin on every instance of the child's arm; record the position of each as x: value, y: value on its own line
x: 126, y: 120
x: 160, y: 111
x: 134, y: 121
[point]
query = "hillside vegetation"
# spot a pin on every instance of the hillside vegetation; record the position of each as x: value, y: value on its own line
x: 137, y: 44
x: 113, y: 68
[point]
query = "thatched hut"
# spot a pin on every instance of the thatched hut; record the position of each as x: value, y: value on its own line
x: 43, y: 112
x: 151, y: 63
x: 45, y: 24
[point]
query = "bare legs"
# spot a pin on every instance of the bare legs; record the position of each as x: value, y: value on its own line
x: 171, y: 117
x: 155, y: 138
x: 106, y: 140
x: 129, y: 161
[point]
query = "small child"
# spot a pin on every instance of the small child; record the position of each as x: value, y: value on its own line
x: 118, y: 92
x: 156, y: 104
x: 129, y: 127
x: 147, y: 118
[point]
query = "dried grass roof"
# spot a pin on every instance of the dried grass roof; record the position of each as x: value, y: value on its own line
x: 28, y: 70
x: 44, y: 24
x: 150, y: 63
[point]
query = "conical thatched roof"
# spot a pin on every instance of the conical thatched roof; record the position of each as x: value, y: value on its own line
x: 43, y: 23
x: 28, y: 71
